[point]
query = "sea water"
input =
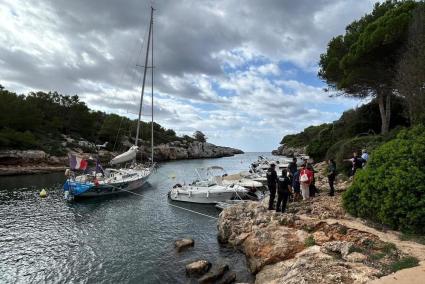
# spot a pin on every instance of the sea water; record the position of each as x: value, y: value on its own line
x: 119, y: 239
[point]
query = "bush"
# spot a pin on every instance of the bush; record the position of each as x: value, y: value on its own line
x: 405, y: 262
x: 309, y: 241
x: 391, y: 189
x: 10, y: 138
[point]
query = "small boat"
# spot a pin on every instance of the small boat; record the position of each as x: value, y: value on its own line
x: 205, y: 193
x: 130, y: 176
x: 207, y: 188
x: 241, y: 180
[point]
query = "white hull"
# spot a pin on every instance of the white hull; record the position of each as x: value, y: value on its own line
x: 205, y: 195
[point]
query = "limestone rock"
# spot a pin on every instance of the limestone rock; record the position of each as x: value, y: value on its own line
x: 284, y: 150
x: 198, y: 267
x: 314, y: 266
x: 228, y: 278
x: 184, y: 243
x: 355, y: 257
x: 214, y: 274
x: 340, y: 247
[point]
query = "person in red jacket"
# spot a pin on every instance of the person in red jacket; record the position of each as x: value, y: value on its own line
x: 306, y: 177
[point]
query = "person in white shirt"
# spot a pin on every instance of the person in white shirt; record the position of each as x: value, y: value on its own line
x: 365, y: 156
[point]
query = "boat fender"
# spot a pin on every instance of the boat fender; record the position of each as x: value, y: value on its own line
x: 190, y: 193
x: 43, y: 193
x: 208, y: 193
x: 67, y: 172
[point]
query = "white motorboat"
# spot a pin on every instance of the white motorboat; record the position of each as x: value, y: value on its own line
x: 205, y: 193
x: 241, y: 180
x: 207, y: 188
x: 131, y: 176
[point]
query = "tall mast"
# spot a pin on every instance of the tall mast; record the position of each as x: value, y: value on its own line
x: 144, y: 78
x: 152, y: 94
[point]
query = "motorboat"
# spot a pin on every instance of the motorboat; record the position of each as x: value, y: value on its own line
x: 207, y: 188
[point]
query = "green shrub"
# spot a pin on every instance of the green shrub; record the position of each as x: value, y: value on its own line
x: 391, y: 190
x: 10, y: 138
x: 405, y: 262
x: 309, y: 241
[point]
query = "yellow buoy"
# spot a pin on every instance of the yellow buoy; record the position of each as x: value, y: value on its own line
x: 43, y: 193
x: 173, y: 176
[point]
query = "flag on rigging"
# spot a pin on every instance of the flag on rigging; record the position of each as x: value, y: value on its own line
x: 76, y: 162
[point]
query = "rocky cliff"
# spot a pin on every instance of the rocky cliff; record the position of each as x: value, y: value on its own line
x: 287, y: 151
x: 313, y: 242
x: 15, y: 162
x: 192, y: 150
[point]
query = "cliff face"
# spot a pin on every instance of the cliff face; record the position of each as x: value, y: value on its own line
x: 284, y: 150
x: 15, y: 162
x: 300, y: 247
x: 193, y: 150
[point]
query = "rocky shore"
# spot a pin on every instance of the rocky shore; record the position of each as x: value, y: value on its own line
x: 19, y: 162
x: 315, y: 241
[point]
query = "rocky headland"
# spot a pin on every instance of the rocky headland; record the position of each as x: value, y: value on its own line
x: 315, y: 241
x: 284, y: 150
x: 18, y: 162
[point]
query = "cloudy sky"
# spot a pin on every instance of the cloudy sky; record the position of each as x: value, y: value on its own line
x: 243, y: 72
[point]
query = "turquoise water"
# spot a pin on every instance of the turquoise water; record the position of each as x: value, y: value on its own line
x: 120, y: 239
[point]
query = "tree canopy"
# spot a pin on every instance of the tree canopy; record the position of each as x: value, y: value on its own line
x: 37, y: 120
x: 363, y: 61
x: 199, y: 136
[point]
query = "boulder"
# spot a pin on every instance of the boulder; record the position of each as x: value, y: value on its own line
x: 355, y: 257
x: 216, y: 273
x: 197, y: 268
x: 228, y: 278
x: 184, y: 243
x: 341, y: 247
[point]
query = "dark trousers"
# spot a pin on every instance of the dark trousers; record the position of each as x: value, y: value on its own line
x: 282, y: 198
x: 331, y: 180
x: 312, y: 189
x: 272, y: 196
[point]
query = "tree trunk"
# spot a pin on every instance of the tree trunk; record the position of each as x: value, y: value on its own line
x: 384, y: 102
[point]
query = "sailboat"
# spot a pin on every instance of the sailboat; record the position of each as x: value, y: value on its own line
x: 99, y: 181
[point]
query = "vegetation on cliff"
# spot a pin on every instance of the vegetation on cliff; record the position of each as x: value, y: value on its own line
x: 382, y: 56
x: 362, y: 62
x: 390, y: 190
x: 37, y: 120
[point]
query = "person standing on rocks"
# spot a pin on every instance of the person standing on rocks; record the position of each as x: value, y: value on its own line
x: 283, y: 191
x: 331, y: 176
x: 296, y: 186
x: 356, y: 163
x: 306, y: 177
x: 271, y: 183
x: 292, y: 167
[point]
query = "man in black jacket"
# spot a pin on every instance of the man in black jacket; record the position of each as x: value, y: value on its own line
x: 283, y: 191
x: 271, y: 183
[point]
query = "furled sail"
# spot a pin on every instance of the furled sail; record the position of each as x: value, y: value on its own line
x: 126, y: 156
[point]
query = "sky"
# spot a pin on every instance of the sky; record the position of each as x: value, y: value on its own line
x: 242, y: 72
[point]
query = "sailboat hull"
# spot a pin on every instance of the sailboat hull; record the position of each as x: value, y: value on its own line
x: 106, y: 189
